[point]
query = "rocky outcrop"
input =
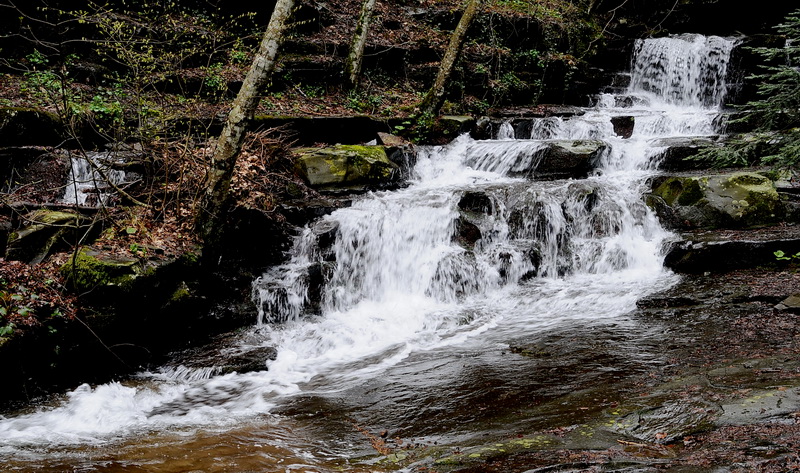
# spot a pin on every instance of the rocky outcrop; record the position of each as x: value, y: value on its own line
x: 742, y: 199
x: 347, y: 168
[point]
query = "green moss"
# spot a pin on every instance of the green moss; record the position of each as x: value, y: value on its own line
x: 181, y: 293
x: 344, y: 165
x: 86, y: 271
x: 691, y: 193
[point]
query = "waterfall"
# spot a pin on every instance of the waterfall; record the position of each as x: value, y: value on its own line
x: 467, y: 256
x: 89, y: 179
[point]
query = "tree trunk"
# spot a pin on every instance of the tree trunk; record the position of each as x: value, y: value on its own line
x: 356, y: 55
x: 214, y: 201
x: 434, y: 99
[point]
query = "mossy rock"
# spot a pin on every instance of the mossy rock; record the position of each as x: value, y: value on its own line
x: 453, y: 125
x: 347, y: 167
x: 47, y: 232
x: 90, y: 269
x: 741, y: 199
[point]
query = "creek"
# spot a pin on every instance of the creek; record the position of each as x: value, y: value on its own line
x: 411, y: 316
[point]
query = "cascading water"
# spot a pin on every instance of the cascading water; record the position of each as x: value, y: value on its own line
x: 89, y: 178
x: 467, y: 258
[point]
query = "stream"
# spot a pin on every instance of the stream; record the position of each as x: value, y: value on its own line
x: 405, y: 318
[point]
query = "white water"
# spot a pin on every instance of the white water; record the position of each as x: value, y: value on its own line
x: 397, y: 282
x: 89, y: 179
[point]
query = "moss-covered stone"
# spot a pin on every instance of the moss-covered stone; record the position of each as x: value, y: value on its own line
x: 47, y: 231
x: 347, y: 167
x: 741, y: 199
x: 89, y: 269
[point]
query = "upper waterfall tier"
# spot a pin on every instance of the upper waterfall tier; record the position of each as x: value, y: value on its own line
x: 687, y: 70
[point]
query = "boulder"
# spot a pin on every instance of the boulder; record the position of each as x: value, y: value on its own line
x: 623, y: 126
x: 741, y: 199
x: 564, y: 159
x: 467, y: 232
x: 344, y: 168
x: 90, y: 269
x: 453, y: 125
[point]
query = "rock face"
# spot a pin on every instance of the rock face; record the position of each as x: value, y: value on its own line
x: 346, y: 168
x: 735, y: 200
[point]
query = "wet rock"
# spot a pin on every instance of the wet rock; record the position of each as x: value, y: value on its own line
x: 45, y: 233
x: 721, y: 256
x: 760, y: 406
x: 467, y: 233
x: 670, y: 421
x: 678, y: 149
x: 249, y: 361
x: 347, y: 168
x: 564, y: 159
x: 540, y: 111
x: 299, y: 212
x: 715, y: 201
x: 405, y: 156
x: 454, y: 125
x: 477, y: 202
x: 666, y: 302
x: 249, y: 228
x: 623, y: 126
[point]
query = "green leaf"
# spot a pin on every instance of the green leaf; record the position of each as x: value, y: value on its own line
x: 130, y: 230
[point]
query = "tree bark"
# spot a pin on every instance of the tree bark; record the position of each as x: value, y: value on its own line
x: 214, y: 200
x: 434, y: 99
x: 356, y: 55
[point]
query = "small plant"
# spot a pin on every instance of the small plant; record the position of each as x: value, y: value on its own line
x: 137, y: 250
x: 780, y: 255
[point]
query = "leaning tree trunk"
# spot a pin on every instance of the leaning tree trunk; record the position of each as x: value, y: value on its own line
x: 356, y: 55
x: 214, y: 200
x: 434, y: 99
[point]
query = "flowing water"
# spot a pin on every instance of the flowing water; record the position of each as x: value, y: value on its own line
x: 403, y: 311
x: 90, y: 180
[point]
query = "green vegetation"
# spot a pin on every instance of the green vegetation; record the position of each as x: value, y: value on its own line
x: 783, y: 256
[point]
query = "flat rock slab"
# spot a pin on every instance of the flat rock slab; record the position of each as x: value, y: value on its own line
x: 720, y: 256
x: 760, y: 406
